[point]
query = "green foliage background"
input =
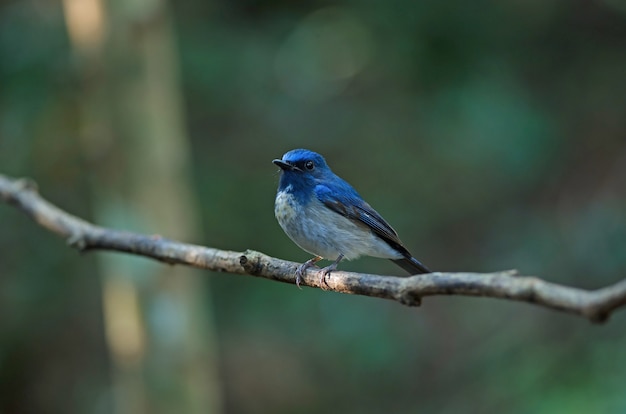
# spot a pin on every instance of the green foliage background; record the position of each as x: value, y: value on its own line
x: 492, y: 135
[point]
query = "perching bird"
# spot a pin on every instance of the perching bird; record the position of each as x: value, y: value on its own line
x: 326, y: 217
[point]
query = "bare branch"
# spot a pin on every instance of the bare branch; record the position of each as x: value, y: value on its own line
x: 595, y: 305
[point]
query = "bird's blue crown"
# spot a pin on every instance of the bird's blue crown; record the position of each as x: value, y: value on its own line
x: 299, y: 158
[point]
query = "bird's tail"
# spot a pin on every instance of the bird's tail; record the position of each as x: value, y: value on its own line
x: 411, y: 265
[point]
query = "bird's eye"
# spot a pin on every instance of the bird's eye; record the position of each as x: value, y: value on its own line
x: 309, y: 165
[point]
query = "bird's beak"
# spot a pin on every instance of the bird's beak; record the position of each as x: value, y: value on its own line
x: 285, y: 166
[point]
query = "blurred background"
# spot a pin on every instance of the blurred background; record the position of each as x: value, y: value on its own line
x: 492, y: 135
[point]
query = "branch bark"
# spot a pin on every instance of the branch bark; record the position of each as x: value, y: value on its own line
x: 595, y: 305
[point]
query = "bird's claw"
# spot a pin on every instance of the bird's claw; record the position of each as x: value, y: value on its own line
x: 300, y: 274
x: 303, y: 267
x: 326, y: 272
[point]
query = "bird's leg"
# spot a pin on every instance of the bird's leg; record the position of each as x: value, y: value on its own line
x: 303, y: 267
x: 326, y: 270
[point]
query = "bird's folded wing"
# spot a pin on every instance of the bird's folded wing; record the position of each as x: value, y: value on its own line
x: 350, y: 205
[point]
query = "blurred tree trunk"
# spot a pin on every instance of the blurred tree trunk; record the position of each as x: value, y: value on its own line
x: 157, y: 317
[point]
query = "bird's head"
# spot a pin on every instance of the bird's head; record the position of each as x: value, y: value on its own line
x: 301, y: 168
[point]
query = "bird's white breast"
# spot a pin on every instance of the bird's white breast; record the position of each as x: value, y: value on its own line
x: 285, y: 208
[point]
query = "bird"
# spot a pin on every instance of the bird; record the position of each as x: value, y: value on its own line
x: 326, y: 216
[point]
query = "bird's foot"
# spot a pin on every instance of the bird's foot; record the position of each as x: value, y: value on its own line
x: 327, y: 270
x: 303, y: 267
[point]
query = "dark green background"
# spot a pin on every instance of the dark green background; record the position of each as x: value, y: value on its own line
x: 491, y: 135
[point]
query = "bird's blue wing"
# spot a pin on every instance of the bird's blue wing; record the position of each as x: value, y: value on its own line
x: 344, y: 200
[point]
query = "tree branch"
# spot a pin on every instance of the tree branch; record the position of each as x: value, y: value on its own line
x: 595, y: 305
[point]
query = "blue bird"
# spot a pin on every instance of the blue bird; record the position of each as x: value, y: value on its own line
x: 326, y: 217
